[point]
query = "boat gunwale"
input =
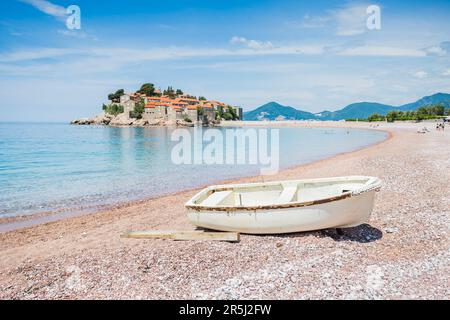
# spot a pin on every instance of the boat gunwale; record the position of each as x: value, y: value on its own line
x: 190, y: 206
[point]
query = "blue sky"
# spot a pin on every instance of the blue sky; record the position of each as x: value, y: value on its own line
x: 313, y: 55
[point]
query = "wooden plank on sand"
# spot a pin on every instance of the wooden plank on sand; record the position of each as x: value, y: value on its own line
x: 183, y: 235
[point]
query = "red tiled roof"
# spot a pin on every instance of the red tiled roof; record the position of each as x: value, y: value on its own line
x: 214, y: 102
x: 188, y: 99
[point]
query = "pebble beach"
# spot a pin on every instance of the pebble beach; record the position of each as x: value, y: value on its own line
x: 402, y: 253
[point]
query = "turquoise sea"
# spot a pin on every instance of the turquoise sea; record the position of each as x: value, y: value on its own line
x: 59, y: 167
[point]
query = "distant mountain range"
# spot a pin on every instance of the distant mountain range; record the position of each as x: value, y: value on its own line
x: 361, y: 110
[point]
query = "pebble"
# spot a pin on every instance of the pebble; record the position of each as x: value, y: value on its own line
x: 391, y: 230
x: 363, y: 264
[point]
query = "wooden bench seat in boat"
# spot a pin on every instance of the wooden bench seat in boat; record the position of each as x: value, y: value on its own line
x: 287, y: 195
x: 216, y: 198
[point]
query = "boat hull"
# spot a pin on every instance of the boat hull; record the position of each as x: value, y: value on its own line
x: 345, y: 213
x: 285, y: 206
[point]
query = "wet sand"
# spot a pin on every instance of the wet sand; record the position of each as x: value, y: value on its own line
x: 403, y: 253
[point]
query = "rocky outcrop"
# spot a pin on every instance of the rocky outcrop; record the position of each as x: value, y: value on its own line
x: 82, y: 121
x: 140, y: 122
x: 159, y: 122
x: 182, y: 123
x: 102, y: 118
x: 123, y: 120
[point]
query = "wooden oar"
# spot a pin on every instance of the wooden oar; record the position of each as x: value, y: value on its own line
x: 183, y: 235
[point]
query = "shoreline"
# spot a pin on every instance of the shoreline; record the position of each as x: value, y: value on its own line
x: 11, y: 224
x: 402, y: 253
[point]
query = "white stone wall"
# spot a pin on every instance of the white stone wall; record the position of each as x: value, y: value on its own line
x: 128, y: 106
x: 192, y: 114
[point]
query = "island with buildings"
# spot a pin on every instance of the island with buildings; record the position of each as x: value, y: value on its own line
x: 153, y: 107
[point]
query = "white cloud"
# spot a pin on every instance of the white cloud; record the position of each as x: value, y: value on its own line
x: 420, y: 74
x: 60, y: 13
x: 118, y: 57
x: 446, y: 72
x: 47, y: 7
x: 121, y: 56
x: 350, y: 20
x: 442, y: 49
x: 312, y: 22
x: 252, y: 44
x: 382, y: 51
x: 27, y: 55
x: 435, y: 51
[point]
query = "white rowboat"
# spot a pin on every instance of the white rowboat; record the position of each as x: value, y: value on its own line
x: 285, y: 206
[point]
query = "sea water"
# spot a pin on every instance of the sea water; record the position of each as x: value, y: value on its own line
x: 59, y: 167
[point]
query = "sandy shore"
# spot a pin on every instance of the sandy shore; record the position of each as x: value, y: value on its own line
x: 403, y: 253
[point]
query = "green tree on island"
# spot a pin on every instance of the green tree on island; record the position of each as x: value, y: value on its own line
x: 139, y: 109
x: 202, y: 98
x: 115, y: 97
x: 219, y: 113
x: 179, y: 92
x: 227, y: 116
x: 113, y: 109
x: 170, y: 92
x: 148, y: 89
x: 233, y: 113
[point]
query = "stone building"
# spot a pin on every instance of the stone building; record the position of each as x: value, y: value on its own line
x: 192, y: 113
x: 209, y: 115
x: 174, y: 113
x: 163, y: 107
x: 128, y: 104
x: 149, y: 111
x: 155, y: 111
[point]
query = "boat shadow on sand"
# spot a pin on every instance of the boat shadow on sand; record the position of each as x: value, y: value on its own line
x: 364, y: 233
